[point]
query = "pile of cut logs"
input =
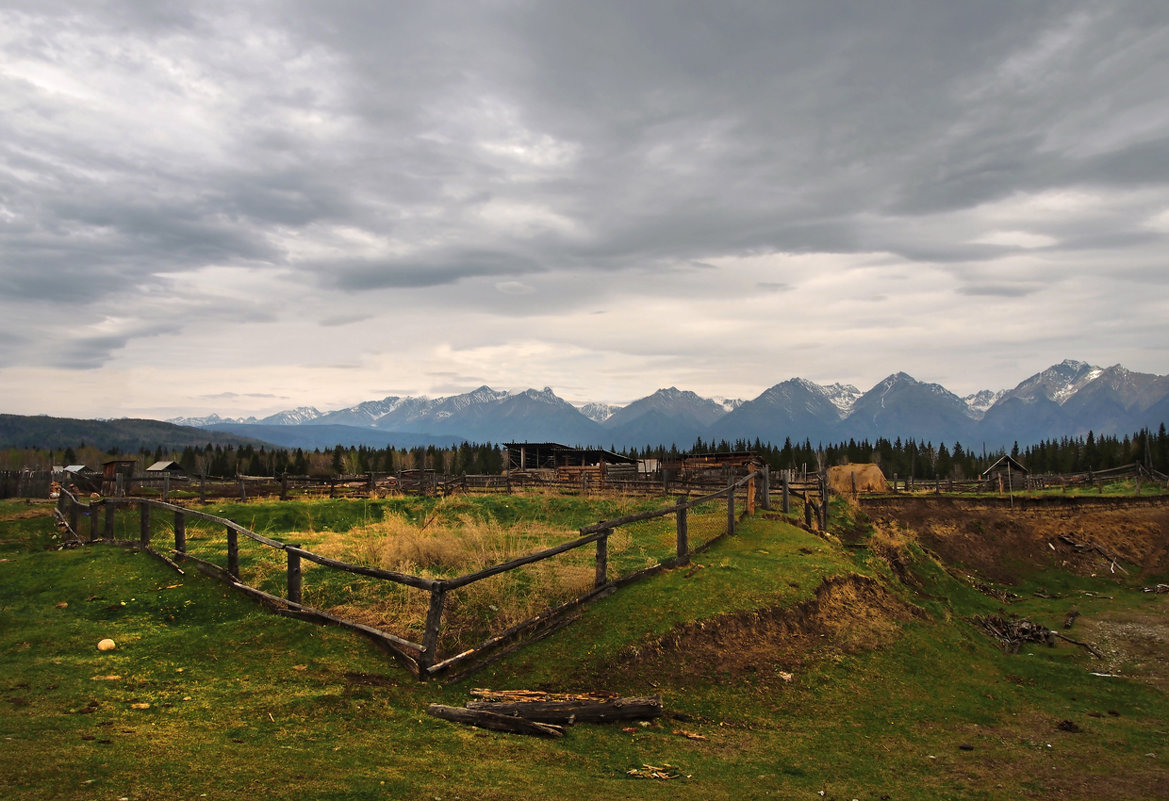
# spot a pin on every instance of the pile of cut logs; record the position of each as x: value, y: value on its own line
x: 545, y: 714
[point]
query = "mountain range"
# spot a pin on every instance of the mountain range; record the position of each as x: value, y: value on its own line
x: 1068, y: 399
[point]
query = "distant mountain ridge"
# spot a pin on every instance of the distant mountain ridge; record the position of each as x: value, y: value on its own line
x: 1067, y: 399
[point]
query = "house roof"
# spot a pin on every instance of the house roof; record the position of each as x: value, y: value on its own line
x: 164, y: 465
x: 1006, y: 462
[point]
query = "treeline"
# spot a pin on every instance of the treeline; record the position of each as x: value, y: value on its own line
x: 955, y: 461
x: 230, y: 460
x: 901, y: 457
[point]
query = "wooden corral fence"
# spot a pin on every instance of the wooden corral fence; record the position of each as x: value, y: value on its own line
x: 95, y: 522
x: 1028, y: 483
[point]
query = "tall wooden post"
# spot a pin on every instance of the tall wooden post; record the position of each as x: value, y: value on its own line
x: 180, y: 535
x: 166, y: 486
x: 731, y: 508
x: 787, y: 501
x: 144, y: 524
x: 294, y: 573
x: 683, y: 532
x: 602, y: 572
x: 429, y: 653
x: 233, y: 552
x: 765, y: 488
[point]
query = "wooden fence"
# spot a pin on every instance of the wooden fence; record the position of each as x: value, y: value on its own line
x: 95, y: 522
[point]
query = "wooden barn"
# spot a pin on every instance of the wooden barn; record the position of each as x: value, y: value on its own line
x: 551, y: 460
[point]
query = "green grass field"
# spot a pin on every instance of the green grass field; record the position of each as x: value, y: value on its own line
x: 208, y: 696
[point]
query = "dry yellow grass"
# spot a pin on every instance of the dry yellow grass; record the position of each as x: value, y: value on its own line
x: 454, y: 548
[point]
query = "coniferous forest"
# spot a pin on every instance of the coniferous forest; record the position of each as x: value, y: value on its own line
x: 899, y: 457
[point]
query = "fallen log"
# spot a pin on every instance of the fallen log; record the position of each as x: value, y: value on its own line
x: 494, y: 721
x: 1091, y: 650
x: 575, y: 710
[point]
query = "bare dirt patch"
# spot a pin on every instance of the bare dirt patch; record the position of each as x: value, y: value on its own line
x: 1007, y: 545
x: 1134, y: 642
x: 847, y: 614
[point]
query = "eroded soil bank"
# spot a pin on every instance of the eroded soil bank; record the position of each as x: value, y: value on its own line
x: 1007, y: 545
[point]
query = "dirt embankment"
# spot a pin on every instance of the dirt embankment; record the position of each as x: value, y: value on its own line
x: 1007, y: 545
x: 848, y: 613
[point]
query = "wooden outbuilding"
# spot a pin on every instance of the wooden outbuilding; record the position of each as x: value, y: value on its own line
x: 116, y: 475
x: 1008, y: 473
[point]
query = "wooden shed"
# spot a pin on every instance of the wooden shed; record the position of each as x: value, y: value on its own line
x: 1009, y: 474
x: 116, y: 475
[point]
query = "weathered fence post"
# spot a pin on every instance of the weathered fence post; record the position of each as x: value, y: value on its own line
x: 74, y: 511
x: 233, y: 552
x: 787, y: 501
x: 180, y: 535
x: 284, y: 486
x: 243, y: 491
x: 764, y: 480
x: 166, y: 486
x: 602, y: 573
x: 144, y: 524
x: 826, y: 491
x: 683, y: 532
x: 429, y: 653
x: 294, y: 573
x: 110, y: 519
x: 203, y: 487
x: 731, y: 507
x: 93, y: 525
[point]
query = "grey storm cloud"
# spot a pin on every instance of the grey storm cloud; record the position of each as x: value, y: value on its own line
x: 502, y: 152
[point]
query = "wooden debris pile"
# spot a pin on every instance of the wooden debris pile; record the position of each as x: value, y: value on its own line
x: 1013, y: 632
x: 545, y: 714
x: 1156, y: 588
x: 1085, y: 547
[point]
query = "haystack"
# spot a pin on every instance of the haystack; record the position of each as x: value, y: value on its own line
x: 869, y: 478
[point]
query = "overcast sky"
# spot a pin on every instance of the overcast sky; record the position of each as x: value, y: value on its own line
x: 241, y: 207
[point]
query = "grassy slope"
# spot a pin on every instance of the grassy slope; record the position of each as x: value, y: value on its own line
x: 243, y: 702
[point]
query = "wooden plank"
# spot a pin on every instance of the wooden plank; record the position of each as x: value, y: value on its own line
x: 373, y: 572
x: 462, y: 581
x: 583, y: 710
x: 495, y: 722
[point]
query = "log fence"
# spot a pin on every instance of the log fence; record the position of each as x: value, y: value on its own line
x: 212, y: 545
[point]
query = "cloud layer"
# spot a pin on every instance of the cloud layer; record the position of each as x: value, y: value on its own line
x: 232, y: 208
